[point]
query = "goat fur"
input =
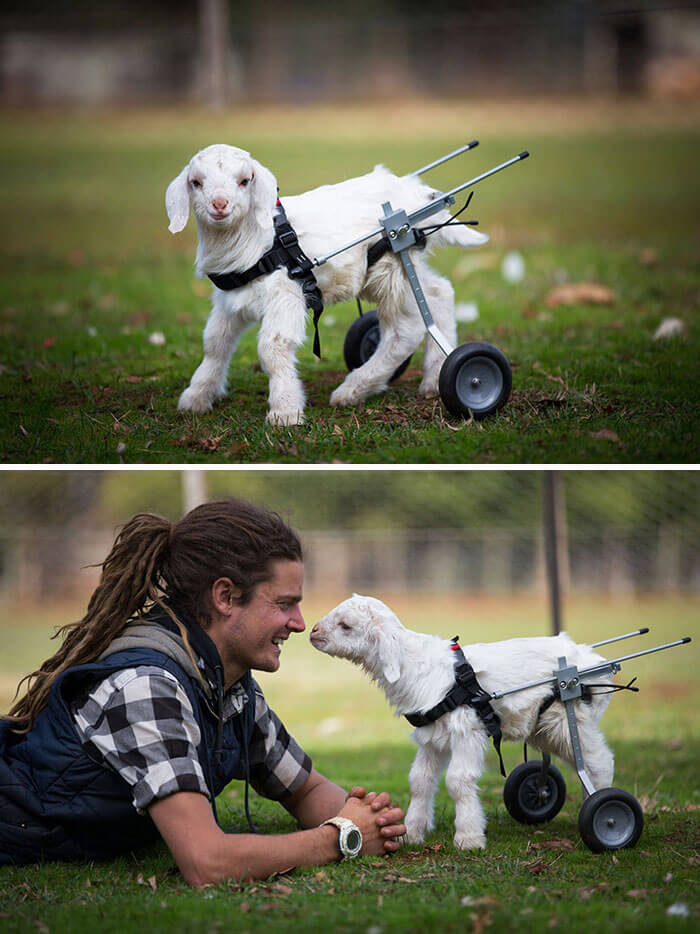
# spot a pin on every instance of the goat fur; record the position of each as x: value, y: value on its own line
x: 416, y: 671
x: 233, y: 199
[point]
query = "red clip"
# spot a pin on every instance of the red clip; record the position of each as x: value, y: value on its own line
x: 455, y: 647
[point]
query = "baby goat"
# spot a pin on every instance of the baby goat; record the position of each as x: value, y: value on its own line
x: 233, y: 198
x: 416, y: 671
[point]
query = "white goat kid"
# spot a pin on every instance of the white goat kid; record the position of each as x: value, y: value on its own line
x: 233, y: 199
x: 416, y: 671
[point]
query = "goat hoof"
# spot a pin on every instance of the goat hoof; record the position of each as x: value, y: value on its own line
x: 285, y: 419
x: 428, y: 389
x: 191, y: 401
x: 470, y: 841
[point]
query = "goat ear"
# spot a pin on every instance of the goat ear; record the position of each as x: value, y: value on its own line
x: 264, y: 194
x: 177, y: 202
x: 388, y: 651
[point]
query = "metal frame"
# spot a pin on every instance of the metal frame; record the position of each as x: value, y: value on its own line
x: 399, y: 229
x: 568, y: 682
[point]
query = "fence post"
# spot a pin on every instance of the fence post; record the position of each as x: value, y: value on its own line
x: 214, y: 26
x: 194, y: 489
x: 554, y: 541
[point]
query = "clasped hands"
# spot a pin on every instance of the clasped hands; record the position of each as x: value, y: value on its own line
x: 378, y: 820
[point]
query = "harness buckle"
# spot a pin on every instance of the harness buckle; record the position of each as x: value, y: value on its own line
x: 287, y: 238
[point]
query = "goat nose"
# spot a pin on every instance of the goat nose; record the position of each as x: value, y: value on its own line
x: 219, y: 203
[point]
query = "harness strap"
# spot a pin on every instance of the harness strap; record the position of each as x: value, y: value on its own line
x: 284, y: 252
x: 466, y: 691
x: 378, y: 249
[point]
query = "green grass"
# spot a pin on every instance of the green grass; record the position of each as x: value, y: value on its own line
x: 527, y: 879
x: 89, y: 271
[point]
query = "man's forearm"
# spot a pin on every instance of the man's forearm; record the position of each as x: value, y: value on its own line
x: 246, y: 856
x: 319, y: 800
x: 205, y: 854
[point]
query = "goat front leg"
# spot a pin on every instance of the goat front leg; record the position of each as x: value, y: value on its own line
x: 281, y: 332
x: 463, y: 773
x: 423, y: 778
x: 221, y: 334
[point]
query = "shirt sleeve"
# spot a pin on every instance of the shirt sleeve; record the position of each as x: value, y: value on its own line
x: 278, y: 764
x: 141, y: 722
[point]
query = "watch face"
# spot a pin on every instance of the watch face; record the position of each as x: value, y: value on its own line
x: 353, y: 840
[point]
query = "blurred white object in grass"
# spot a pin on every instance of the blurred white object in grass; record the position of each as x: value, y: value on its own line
x: 513, y: 267
x: 466, y: 311
x: 156, y: 339
x: 91, y: 330
x: 670, y: 327
x: 679, y: 909
x: 329, y: 726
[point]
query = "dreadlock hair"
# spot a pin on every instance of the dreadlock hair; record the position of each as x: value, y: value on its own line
x: 153, y: 560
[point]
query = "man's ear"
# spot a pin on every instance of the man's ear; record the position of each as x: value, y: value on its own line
x: 177, y: 202
x: 224, y: 595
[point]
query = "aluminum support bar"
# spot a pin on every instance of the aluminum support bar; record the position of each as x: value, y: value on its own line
x: 422, y: 303
x: 595, y: 669
x: 451, y: 155
x: 627, y: 635
x: 588, y: 787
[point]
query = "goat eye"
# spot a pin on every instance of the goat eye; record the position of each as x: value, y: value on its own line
x: 195, y: 182
x: 244, y: 182
x: 345, y: 626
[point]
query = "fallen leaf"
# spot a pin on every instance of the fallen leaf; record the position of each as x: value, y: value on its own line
x: 588, y: 890
x: 558, y: 843
x: 579, y: 293
x: 244, y: 907
x: 49, y: 342
x: 281, y: 889
x: 649, y: 256
x: 605, y: 434
x: 537, y: 868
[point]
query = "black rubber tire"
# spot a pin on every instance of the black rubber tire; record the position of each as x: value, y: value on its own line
x: 361, y: 342
x: 610, y: 819
x: 523, y: 800
x: 479, y: 361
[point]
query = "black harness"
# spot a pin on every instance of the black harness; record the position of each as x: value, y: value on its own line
x: 466, y: 691
x: 284, y: 252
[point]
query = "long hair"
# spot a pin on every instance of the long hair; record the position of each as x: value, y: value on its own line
x: 153, y: 560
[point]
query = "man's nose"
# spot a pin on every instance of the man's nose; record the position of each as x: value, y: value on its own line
x: 296, y: 620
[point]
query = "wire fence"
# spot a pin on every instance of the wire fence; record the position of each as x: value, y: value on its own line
x: 622, y: 532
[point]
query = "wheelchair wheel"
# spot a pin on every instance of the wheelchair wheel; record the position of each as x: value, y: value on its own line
x: 475, y: 380
x: 531, y: 797
x: 610, y: 819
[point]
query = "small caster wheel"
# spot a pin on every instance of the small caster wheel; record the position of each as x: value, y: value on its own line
x: 476, y: 380
x: 531, y: 797
x: 361, y: 342
x: 610, y: 819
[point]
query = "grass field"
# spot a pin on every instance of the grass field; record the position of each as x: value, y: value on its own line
x: 90, y: 272
x: 527, y: 879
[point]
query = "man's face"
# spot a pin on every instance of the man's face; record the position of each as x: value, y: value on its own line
x: 253, y: 635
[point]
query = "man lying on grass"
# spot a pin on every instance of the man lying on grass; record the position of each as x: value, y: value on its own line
x: 148, y: 710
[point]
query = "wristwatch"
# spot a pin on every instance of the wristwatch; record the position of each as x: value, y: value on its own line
x: 349, y: 836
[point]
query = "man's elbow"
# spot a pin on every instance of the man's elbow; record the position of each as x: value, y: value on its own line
x: 207, y: 868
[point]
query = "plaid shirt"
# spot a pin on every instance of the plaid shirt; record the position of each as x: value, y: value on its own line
x: 141, y: 722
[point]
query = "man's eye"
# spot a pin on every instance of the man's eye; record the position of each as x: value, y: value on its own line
x: 195, y: 182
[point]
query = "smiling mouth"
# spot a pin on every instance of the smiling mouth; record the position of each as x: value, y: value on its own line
x: 218, y: 217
